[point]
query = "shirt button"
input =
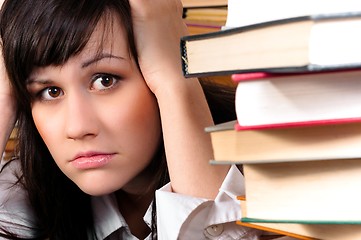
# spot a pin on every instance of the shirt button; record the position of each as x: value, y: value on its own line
x: 215, y: 230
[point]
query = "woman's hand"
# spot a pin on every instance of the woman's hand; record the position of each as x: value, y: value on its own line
x: 158, y: 27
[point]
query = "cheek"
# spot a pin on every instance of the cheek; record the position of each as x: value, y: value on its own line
x: 48, y: 123
x: 44, y: 124
x: 141, y: 123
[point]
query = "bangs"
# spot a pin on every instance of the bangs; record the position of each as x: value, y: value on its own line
x: 55, y: 31
x: 65, y: 36
x: 40, y: 33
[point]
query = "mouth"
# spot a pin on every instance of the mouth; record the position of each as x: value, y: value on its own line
x: 91, y: 160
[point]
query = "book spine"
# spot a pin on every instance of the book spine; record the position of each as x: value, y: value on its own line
x: 183, y: 52
x: 269, y: 72
x: 240, y: 77
x: 311, y: 70
x: 239, y: 127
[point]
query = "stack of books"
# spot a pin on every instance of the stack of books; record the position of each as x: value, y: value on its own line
x: 204, y: 3
x: 298, y: 127
x: 204, y: 16
x: 205, y: 20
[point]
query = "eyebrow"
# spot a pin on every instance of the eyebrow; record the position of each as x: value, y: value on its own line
x: 31, y: 81
x: 100, y: 57
x: 97, y: 58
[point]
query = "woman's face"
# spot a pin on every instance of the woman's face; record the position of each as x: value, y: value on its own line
x: 96, y: 114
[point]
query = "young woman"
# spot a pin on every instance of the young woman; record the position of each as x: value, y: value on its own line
x: 106, y: 118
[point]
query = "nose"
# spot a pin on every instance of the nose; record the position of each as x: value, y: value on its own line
x: 81, y: 120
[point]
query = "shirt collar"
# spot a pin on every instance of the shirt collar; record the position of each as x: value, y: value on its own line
x: 107, y: 217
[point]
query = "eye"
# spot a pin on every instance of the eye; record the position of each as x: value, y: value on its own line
x: 51, y: 93
x: 104, y: 81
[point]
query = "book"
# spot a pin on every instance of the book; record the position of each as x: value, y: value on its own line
x: 279, y: 100
x: 201, y: 27
x: 218, y: 15
x: 306, y: 43
x: 204, y: 3
x: 309, y: 192
x: 205, y: 20
x: 10, y: 147
x: 243, y: 13
x: 305, y: 231
x: 275, y: 229
x: 305, y: 143
x: 12, y: 141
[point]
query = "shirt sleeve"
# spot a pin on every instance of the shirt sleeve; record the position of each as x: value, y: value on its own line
x: 185, y: 217
x: 15, y: 212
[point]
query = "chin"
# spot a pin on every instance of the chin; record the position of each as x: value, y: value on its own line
x: 97, y: 188
x: 94, y: 191
x: 98, y: 183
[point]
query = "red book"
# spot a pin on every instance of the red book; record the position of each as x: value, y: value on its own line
x: 266, y: 100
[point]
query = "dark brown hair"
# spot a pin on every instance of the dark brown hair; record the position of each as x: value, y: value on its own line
x: 48, y: 32
x: 41, y: 33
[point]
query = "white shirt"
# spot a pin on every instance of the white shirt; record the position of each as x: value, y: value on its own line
x: 15, y: 212
x: 178, y: 216
x: 181, y: 216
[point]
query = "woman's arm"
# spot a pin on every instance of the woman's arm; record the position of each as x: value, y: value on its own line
x: 158, y: 26
x: 7, y: 105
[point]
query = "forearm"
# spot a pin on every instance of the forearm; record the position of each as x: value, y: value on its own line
x: 185, y: 114
x: 7, y: 106
x: 7, y: 121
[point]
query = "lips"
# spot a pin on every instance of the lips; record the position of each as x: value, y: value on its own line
x: 91, y: 160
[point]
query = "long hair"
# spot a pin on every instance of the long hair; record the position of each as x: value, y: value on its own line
x: 38, y: 33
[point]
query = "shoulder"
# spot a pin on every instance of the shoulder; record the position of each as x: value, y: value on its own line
x: 9, y: 175
x: 15, y: 211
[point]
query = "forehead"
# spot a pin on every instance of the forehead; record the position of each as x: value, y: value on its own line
x: 109, y: 34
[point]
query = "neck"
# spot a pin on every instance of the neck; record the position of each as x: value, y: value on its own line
x: 133, y: 207
x: 135, y: 198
